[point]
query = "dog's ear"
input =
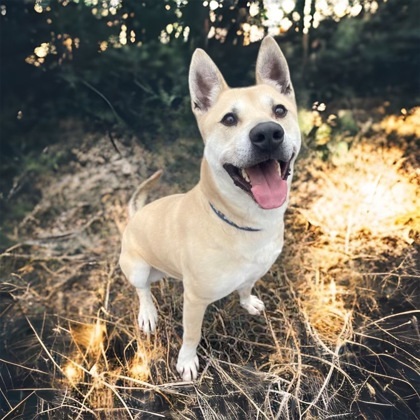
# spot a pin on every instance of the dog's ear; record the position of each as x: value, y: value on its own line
x: 272, y: 68
x: 205, y: 80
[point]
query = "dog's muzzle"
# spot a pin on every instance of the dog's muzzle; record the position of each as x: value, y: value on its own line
x: 265, y: 179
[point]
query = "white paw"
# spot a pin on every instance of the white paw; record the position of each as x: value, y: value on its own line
x: 187, y: 366
x: 253, y: 305
x: 147, y: 317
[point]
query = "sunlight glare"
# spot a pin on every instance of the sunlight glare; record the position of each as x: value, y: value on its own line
x: 214, y: 5
x: 103, y: 46
x: 340, y: 8
x: 254, y: 9
x: 123, y: 35
x: 42, y: 50
x: 139, y: 371
x: 285, y: 24
x: 186, y: 33
x: 38, y: 8
x: 288, y: 6
x: 139, y: 367
x: 356, y: 9
x: 90, y: 336
x: 164, y: 37
x: 72, y: 373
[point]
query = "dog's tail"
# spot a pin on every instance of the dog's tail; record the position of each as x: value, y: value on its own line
x: 139, y: 197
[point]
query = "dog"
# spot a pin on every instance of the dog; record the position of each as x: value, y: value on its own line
x: 225, y: 233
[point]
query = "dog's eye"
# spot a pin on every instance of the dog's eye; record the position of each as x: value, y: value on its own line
x: 280, y: 111
x: 229, y: 120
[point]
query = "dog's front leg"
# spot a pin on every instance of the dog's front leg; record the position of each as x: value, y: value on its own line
x: 248, y: 301
x: 193, y: 314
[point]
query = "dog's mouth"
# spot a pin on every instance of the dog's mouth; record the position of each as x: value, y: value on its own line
x: 265, y: 182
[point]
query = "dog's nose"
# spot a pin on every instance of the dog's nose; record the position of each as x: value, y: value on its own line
x: 267, y: 136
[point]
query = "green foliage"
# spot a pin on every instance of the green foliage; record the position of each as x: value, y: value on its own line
x: 371, y: 54
x: 347, y: 123
x: 330, y: 135
x: 323, y: 134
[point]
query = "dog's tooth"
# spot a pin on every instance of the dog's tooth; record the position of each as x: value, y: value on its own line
x: 245, y: 175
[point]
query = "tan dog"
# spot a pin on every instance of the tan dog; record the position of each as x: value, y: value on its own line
x: 226, y: 232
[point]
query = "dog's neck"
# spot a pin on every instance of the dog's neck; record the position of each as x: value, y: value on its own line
x: 211, y: 193
x: 221, y: 205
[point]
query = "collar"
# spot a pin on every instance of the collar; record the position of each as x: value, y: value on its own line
x: 229, y: 222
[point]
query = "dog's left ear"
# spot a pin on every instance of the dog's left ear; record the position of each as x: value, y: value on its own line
x: 206, y: 82
x: 272, y: 68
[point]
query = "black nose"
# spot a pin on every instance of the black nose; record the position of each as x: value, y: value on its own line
x: 267, y: 136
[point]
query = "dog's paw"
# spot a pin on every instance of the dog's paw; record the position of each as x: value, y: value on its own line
x: 188, y: 369
x: 148, y: 318
x: 187, y: 365
x: 253, y: 305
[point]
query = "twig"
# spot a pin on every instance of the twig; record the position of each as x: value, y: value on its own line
x: 17, y: 406
x: 114, y: 145
x: 118, y: 118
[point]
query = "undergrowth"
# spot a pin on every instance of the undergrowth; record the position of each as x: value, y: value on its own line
x: 340, y: 335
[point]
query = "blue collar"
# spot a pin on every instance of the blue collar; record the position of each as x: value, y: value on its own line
x: 229, y: 222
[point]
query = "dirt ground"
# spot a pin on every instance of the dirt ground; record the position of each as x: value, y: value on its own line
x: 340, y: 335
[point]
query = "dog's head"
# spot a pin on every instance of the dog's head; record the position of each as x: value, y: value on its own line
x: 251, y: 134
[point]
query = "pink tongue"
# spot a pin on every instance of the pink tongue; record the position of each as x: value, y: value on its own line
x: 268, y: 188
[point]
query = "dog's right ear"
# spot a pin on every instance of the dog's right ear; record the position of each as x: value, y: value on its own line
x: 272, y: 68
x: 206, y: 82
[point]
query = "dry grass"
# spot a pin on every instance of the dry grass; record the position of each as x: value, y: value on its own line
x: 340, y: 336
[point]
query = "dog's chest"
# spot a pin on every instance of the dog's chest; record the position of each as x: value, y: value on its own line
x: 256, y: 260
x: 260, y: 254
x: 248, y: 263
